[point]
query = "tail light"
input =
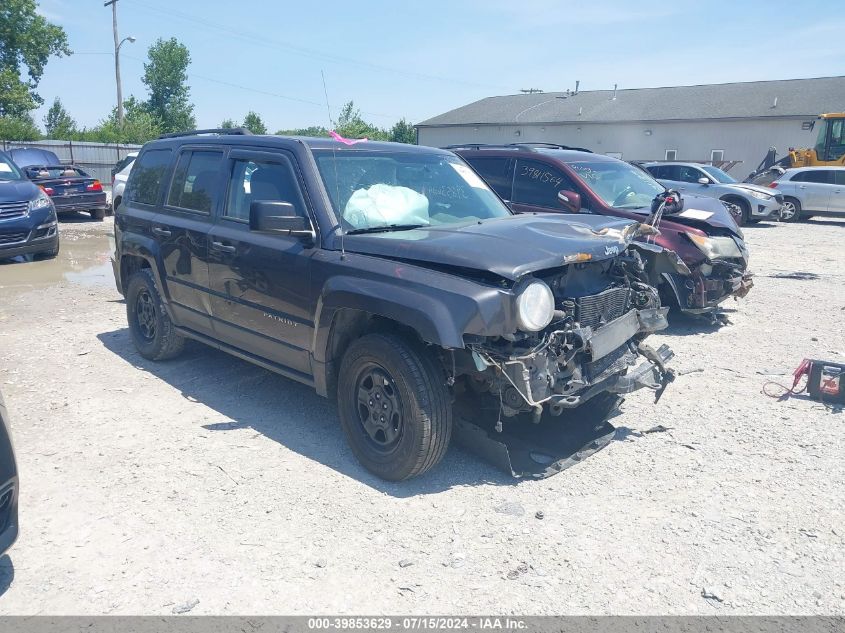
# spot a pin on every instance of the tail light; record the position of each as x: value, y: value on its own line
x: 94, y: 186
x: 48, y: 190
x: 773, y: 184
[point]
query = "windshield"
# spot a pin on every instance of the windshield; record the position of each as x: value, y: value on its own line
x: 719, y: 175
x: 371, y: 189
x: 8, y: 170
x: 619, y: 184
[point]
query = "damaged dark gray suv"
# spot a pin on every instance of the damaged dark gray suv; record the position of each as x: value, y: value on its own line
x: 387, y: 276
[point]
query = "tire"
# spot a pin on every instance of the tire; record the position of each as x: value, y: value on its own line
x: 152, y: 331
x: 98, y: 214
x: 790, y: 211
x: 51, y: 254
x: 744, y: 210
x: 414, y: 435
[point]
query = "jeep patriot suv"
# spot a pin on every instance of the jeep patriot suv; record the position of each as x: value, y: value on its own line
x: 387, y: 276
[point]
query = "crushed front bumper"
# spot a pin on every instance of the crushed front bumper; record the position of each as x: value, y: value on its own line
x: 581, y: 363
x: 702, y: 293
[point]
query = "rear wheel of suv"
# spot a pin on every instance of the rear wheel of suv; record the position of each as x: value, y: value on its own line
x: 152, y: 330
x: 790, y: 211
x: 394, y: 406
x: 98, y: 214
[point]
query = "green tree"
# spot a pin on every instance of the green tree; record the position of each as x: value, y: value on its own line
x: 58, y: 123
x: 351, y: 124
x: 139, y: 126
x: 403, y: 132
x: 313, y: 130
x: 166, y: 76
x: 27, y: 40
x: 19, y: 128
x: 227, y: 124
x: 253, y: 122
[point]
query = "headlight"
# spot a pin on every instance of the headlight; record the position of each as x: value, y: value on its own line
x: 715, y: 247
x: 760, y: 195
x: 42, y: 201
x: 535, y: 307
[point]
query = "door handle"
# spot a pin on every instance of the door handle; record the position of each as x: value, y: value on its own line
x: 226, y: 248
x: 157, y: 230
x: 802, y: 186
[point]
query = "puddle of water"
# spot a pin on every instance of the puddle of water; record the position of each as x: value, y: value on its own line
x: 83, y: 259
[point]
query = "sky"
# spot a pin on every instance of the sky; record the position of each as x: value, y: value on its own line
x: 416, y: 60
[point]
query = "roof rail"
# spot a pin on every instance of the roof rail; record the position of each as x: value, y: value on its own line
x: 529, y: 145
x: 467, y: 146
x: 220, y: 130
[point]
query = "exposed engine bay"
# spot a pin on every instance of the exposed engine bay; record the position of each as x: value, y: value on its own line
x: 603, y: 311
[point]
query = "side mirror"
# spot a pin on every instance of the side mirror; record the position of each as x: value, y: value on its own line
x: 271, y: 216
x: 570, y: 200
x: 703, y: 181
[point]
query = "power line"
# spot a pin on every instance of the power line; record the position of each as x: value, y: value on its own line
x: 255, y: 38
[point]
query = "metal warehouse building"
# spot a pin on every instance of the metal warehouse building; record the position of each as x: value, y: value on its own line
x: 717, y: 122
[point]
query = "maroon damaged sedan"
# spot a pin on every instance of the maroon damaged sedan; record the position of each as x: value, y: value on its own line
x: 702, y: 232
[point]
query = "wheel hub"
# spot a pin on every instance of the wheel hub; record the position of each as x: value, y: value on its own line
x: 379, y: 407
x: 145, y: 313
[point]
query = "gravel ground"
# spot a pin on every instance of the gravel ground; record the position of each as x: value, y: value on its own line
x: 209, y: 485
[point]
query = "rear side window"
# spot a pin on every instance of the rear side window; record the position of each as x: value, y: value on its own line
x: 538, y: 184
x: 145, y: 179
x: 195, y: 180
x: 498, y: 172
x: 840, y: 177
x: 261, y: 180
x: 814, y: 175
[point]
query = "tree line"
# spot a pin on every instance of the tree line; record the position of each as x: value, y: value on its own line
x: 28, y: 41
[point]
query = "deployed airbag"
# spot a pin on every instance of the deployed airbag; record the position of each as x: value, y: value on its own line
x: 382, y: 205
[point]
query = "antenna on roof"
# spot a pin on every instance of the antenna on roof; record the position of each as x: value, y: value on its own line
x: 775, y: 104
x: 614, y: 92
x: 334, y: 160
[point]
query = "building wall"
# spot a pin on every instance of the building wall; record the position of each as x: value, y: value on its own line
x: 745, y: 140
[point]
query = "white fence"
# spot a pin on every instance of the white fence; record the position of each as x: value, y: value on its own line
x: 97, y: 159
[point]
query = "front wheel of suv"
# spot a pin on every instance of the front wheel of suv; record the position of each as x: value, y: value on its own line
x: 152, y: 330
x: 394, y: 405
x: 790, y: 210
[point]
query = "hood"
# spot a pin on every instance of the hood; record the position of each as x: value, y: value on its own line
x: 745, y: 186
x: 17, y: 190
x: 701, y: 213
x: 509, y: 247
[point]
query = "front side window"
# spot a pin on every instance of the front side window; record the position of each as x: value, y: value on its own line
x: 538, y: 184
x: 619, y: 184
x: 145, y: 179
x: 371, y: 189
x: 254, y: 180
x: 194, y: 180
x: 689, y: 174
x: 8, y: 169
x: 818, y: 176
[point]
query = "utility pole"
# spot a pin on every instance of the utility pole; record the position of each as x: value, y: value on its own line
x: 113, y: 4
x: 117, y: 45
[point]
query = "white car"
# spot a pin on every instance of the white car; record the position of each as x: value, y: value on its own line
x: 754, y: 202
x: 809, y: 191
x: 120, y: 177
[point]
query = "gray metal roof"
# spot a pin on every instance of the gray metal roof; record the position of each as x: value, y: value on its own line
x: 795, y: 97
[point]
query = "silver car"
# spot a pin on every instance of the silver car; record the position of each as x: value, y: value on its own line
x: 809, y: 191
x: 120, y: 177
x: 753, y: 202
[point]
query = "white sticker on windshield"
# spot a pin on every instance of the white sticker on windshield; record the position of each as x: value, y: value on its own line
x: 695, y: 214
x: 5, y: 167
x: 469, y: 176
